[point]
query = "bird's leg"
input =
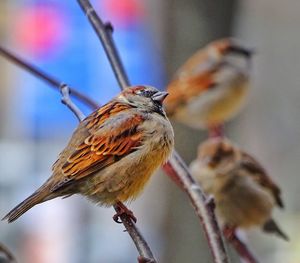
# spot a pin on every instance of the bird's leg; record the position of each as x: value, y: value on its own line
x: 216, y: 131
x: 121, y: 210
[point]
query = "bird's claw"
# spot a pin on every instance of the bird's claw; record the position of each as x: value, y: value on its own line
x: 122, y: 210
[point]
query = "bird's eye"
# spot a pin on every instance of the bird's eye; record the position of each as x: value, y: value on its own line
x: 147, y: 93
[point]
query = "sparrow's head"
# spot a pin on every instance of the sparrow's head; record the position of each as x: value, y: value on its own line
x: 218, y: 153
x: 146, y: 98
x: 229, y: 48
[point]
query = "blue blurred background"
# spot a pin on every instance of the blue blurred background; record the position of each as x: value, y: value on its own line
x: 154, y: 38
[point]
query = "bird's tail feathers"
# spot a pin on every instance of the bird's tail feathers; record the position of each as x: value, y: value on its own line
x: 39, y: 196
x: 271, y: 227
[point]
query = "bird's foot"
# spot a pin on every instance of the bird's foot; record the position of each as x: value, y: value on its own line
x: 121, y: 210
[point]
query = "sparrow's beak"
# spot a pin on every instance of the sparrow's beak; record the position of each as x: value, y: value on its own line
x: 247, y: 52
x: 160, y: 96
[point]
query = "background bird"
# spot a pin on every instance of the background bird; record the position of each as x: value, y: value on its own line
x: 244, y: 194
x: 112, y: 153
x: 211, y: 87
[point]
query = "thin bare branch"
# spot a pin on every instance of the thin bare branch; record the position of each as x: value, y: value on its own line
x: 240, y: 247
x: 143, y: 248
x: 65, y: 91
x: 45, y: 77
x: 104, y: 32
x: 179, y: 170
x: 7, y: 253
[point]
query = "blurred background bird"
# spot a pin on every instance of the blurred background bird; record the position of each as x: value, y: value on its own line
x: 243, y: 192
x: 112, y: 153
x: 211, y: 87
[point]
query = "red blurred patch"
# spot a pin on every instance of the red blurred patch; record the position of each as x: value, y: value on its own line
x: 123, y: 12
x: 41, y: 30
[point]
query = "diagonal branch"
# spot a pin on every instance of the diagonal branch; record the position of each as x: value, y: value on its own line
x: 45, y: 77
x: 143, y: 248
x: 175, y: 164
x: 240, y: 247
x: 9, y: 255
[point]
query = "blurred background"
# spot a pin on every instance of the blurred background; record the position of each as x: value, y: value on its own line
x: 154, y: 38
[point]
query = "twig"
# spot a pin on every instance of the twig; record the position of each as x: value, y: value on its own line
x: 65, y: 91
x: 9, y: 255
x: 179, y: 169
x: 240, y: 247
x: 45, y: 77
x: 104, y: 32
x: 143, y: 248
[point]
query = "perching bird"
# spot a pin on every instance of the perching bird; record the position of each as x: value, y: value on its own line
x: 112, y: 153
x: 244, y: 194
x: 211, y: 87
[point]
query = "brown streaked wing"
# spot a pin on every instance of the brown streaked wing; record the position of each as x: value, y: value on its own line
x: 103, y: 146
x: 88, y: 126
x: 194, y: 78
x: 182, y: 90
x: 260, y: 176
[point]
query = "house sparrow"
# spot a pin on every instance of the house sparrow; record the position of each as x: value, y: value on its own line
x: 244, y: 194
x: 211, y: 87
x: 112, y: 153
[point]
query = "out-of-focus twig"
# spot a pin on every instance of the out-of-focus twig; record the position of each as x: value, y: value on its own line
x: 179, y: 170
x: 240, y: 247
x: 45, y: 77
x: 7, y: 253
